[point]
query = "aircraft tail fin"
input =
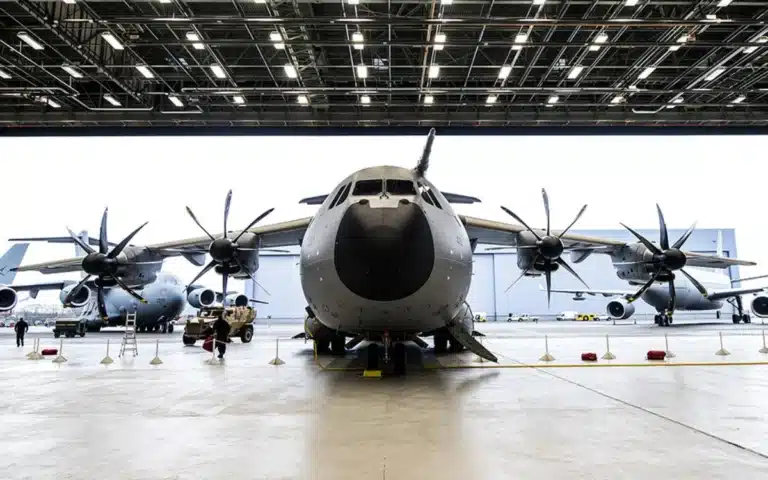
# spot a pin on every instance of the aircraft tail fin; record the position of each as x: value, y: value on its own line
x: 11, y: 260
x: 421, y: 168
x: 79, y: 252
x: 719, y: 243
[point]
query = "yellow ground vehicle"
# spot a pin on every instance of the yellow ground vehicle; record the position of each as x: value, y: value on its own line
x: 240, y: 321
x: 586, y: 317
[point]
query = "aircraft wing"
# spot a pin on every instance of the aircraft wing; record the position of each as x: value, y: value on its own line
x: 35, y: 288
x: 604, y: 293
x: 732, y: 292
x: 276, y: 235
x: 505, y: 234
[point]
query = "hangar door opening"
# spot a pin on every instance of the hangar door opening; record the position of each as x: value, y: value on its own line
x: 279, y: 274
x: 481, y: 296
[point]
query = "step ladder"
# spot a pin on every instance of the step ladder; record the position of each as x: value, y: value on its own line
x: 129, y: 338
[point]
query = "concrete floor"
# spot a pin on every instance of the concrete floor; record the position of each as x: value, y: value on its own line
x: 244, y: 418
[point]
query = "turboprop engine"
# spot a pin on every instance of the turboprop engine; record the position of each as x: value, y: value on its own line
x: 620, y: 309
x: 201, y: 297
x: 8, y: 298
x: 760, y: 306
x: 77, y: 300
x: 237, y: 300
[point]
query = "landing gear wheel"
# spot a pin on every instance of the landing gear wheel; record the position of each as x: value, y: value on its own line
x: 399, y: 358
x: 746, y: 318
x: 456, y: 347
x: 717, y: 314
x: 141, y: 329
x: 321, y: 346
x: 373, y: 362
x: 82, y: 334
x: 246, y: 335
x: 163, y: 327
x: 188, y: 340
x: 669, y: 320
x: 56, y: 334
x: 657, y: 319
x: 337, y: 345
x: 441, y: 343
x: 156, y: 328
x: 736, y: 318
x: 170, y: 328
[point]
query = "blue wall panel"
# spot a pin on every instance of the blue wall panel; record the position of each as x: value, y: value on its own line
x: 279, y: 274
x: 481, y: 294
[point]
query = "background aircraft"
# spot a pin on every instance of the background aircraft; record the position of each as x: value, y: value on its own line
x: 8, y: 263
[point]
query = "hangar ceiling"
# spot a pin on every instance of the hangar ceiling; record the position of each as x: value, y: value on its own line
x: 383, y: 62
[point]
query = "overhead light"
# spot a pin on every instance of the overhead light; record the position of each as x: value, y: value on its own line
x: 275, y: 36
x: 353, y: 2
x: 238, y: 99
x: 520, y: 38
x: 165, y: 1
x: 575, y: 72
x: 714, y: 74
x: 759, y: 40
x: 440, y: 41
x: 365, y: 100
x: 303, y: 100
x: 434, y: 71
x: 739, y: 99
x: 144, y: 70
x: 553, y: 99
x: 362, y: 71
x: 539, y: 2
x: 218, y: 71
x: 193, y: 37
x: 26, y: 38
x: 724, y: 3
x: 446, y: 2
x: 69, y: 2
x: 600, y: 39
x: 357, y: 40
x: 175, y: 100
x: 112, y: 40
x: 53, y: 103
x: 71, y: 70
x: 491, y: 99
x: 711, y: 16
x: 290, y: 71
x: 617, y: 99
x: 630, y: 3
x: 4, y: 75
x: 111, y: 100
x: 682, y: 39
x: 675, y: 100
x: 646, y: 73
x: 505, y: 71
x: 429, y: 100
x: 259, y: 1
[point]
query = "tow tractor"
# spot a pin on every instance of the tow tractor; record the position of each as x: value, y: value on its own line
x: 240, y: 321
x: 69, y: 327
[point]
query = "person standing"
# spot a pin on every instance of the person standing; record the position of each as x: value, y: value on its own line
x: 220, y: 330
x: 21, y: 328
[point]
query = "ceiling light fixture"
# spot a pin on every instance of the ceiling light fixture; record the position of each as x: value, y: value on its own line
x: 440, y: 41
x: 112, y: 40
x: 218, y: 71
x: 290, y: 71
x: 72, y: 71
x: 434, y: 71
x: 27, y: 38
x: 175, y: 100
x: 144, y: 70
x: 111, y: 100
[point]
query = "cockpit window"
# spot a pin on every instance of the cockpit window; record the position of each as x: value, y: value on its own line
x: 343, y: 193
x: 368, y: 187
x: 400, y: 187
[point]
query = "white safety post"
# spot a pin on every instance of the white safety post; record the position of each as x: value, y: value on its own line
x: 765, y: 348
x: 107, y: 359
x: 213, y: 360
x: 35, y: 353
x: 546, y: 357
x: 156, y: 360
x: 722, y: 352
x: 277, y: 361
x: 608, y: 355
x: 60, y: 358
x: 666, y: 347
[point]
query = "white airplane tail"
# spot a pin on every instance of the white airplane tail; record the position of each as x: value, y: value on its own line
x: 79, y: 252
x: 10, y: 260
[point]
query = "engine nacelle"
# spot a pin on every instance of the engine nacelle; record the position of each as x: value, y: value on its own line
x: 8, y: 298
x: 237, y: 300
x: 82, y: 297
x: 620, y: 309
x: 201, y: 297
x: 760, y: 306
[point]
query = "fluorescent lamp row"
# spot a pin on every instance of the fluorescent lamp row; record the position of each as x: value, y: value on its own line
x: 193, y: 37
x: 357, y: 40
x: 277, y: 40
x: 599, y: 40
x: 301, y: 99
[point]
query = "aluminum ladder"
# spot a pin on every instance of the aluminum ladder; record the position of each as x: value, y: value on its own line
x: 129, y: 338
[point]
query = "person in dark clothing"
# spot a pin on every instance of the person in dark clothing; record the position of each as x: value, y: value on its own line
x: 21, y: 328
x: 220, y: 331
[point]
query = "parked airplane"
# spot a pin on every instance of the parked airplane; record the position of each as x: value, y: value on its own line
x: 385, y: 258
x: 9, y: 261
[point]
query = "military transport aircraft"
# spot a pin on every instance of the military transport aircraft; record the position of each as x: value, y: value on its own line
x: 386, y: 259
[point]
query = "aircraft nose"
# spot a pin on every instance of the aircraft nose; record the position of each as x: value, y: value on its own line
x: 384, y: 254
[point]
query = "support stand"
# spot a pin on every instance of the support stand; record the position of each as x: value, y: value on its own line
x: 608, y: 355
x: 107, y: 360
x: 156, y: 360
x: 277, y: 361
x: 213, y: 360
x: 765, y: 348
x: 60, y: 358
x: 35, y: 353
x: 546, y: 357
x: 722, y: 352
x: 666, y: 347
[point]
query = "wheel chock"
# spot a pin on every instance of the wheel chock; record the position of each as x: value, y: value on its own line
x: 372, y: 373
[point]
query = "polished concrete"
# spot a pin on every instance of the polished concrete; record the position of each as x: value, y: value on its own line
x: 244, y: 418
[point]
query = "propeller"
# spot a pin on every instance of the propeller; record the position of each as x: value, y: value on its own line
x: 548, y: 247
x: 665, y: 261
x: 106, y: 265
x: 225, y: 251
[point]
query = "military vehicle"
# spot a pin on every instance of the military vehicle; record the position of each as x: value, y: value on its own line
x: 240, y: 321
x: 69, y: 327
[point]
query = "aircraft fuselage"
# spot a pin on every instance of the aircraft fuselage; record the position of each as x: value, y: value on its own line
x: 687, y: 297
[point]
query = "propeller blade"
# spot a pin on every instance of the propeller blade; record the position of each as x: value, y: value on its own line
x: 562, y: 263
x: 276, y: 250
x: 100, y: 302
x: 680, y: 241
x: 645, y: 287
x: 578, y: 216
x: 189, y: 211
x: 546, y: 206
x: 81, y: 243
x: 225, y: 279
x: 517, y: 280
x: 548, y: 276
x: 103, y: 244
x: 250, y: 274
x: 702, y: 290
x: 664, y: 239
x: 129, y: 290
x: 74, y: 291
x: 509, y: 212
x: 227, y: 203
x: 120, y: 246
x: 258, y: 219
x: 653, y: 248
x: 258, y: 301
x: 203, y: 271
x: 672, y: 297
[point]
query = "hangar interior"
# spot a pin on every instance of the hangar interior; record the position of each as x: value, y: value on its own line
x: 493, y: 272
